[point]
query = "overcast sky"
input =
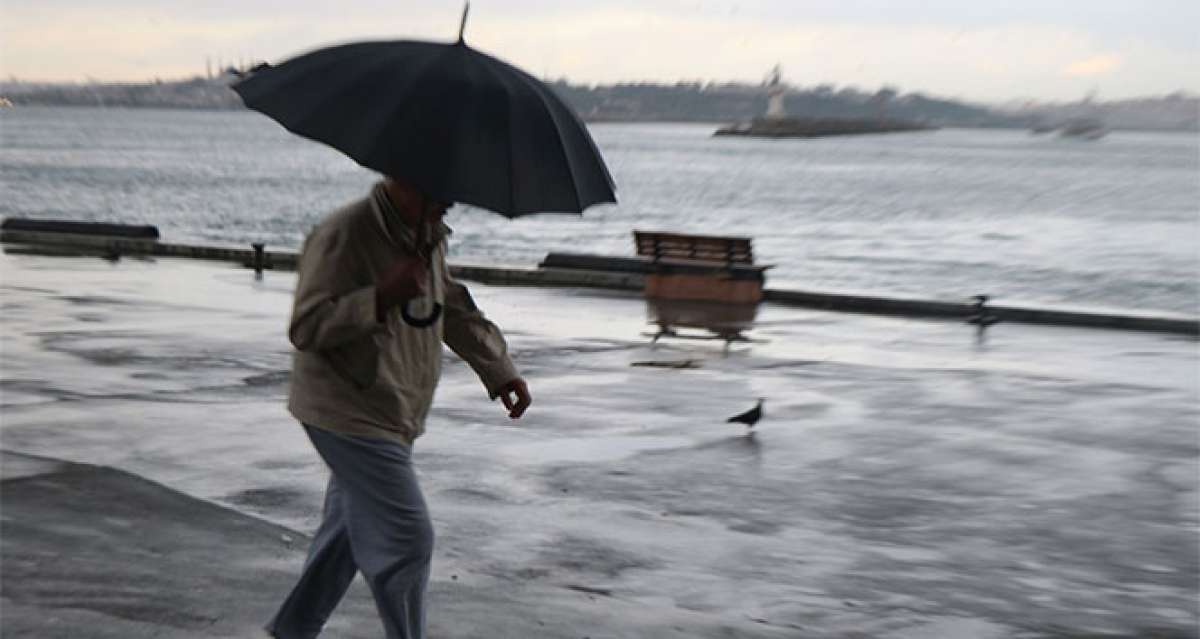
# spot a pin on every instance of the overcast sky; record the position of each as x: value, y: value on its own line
x: 975, y: 49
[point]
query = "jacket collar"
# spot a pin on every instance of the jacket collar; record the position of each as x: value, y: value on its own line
x: 393, y: 226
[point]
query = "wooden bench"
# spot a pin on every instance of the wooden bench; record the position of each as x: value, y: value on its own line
x: 702, y: 282
x: 703, y: 248
x: 700, y: 267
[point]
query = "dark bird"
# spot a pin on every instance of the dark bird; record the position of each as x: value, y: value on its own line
x: 750, y: 417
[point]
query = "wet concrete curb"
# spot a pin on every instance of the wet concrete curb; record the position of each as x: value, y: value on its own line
x: 68, y: 244
x: 925, y: 308
x: 98, y: 552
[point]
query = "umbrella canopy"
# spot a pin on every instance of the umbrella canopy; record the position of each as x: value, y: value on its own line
x: 458, y: 124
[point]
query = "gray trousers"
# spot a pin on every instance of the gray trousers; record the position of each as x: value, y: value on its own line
x: 375, y: 521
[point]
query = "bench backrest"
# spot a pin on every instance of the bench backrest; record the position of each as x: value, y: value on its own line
x: 707, y: 248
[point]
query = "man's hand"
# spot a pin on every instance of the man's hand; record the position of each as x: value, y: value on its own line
x: 519, y: 388
x: 406, y: 278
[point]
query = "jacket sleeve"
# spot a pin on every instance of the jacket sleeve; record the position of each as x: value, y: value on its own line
x: 475, y: 339
x: 330, y: 308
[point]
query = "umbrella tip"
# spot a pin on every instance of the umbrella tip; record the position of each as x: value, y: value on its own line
x: 462, y: 26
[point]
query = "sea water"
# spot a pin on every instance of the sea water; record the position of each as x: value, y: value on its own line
x: 945, y: 214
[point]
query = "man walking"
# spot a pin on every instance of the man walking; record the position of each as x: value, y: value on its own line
x: 363, y: 378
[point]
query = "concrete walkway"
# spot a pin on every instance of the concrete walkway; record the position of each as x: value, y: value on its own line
x: 907, y: 480
x: 95, y: 552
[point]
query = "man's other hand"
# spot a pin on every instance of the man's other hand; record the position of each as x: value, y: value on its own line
x: 519, y: 388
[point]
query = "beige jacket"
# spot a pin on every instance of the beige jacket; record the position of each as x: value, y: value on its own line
x: 353, y: 374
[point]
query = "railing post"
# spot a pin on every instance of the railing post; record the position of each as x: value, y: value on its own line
x: 259, y: 257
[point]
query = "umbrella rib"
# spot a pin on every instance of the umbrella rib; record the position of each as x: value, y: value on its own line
x: 512, y: 181
x: 427, y: 67
x: 378, y: 64
x: 561, y: 147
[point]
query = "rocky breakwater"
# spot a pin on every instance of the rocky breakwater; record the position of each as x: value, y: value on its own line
x: 818, y: 127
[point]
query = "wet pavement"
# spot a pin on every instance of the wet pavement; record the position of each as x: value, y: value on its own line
x: 907, y: 480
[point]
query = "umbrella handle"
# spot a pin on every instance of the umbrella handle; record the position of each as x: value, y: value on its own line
x: 421, y: 322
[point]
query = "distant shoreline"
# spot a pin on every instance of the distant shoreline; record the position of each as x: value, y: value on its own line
x: 721, y: 104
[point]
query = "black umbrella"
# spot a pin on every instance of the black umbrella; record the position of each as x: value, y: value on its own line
x: 460, y: 125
